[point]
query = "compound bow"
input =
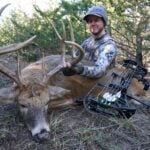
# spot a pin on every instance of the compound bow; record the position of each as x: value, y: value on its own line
x: 113, y: 99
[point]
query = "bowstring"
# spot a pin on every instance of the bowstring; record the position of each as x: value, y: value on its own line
x: 126, y: 74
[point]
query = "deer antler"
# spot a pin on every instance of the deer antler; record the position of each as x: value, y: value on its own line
x: 72, y: 42
x: 14, y: 47
x: 2, y: 9
x: 72, y: 37
x: 10, y: 48
x: 63, y: 42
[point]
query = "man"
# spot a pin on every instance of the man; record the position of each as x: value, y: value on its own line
x: 99, y: 48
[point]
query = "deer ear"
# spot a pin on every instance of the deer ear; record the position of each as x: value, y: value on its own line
x: 56, y: 92
x: 7, y: 95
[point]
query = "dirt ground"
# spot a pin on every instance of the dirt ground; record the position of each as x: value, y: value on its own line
x: 75, y: 129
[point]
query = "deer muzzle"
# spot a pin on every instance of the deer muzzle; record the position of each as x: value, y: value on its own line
x: 37, y: 122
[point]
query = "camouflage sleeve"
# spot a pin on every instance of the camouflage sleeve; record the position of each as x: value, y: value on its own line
x: 104, y: 60
x: 83, y: 45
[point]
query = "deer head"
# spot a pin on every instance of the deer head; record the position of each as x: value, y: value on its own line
x: 31, y: 89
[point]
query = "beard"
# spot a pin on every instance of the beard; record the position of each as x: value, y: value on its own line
x: 97, y: 32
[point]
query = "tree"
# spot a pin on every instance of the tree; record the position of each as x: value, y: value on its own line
x: 128, y: 23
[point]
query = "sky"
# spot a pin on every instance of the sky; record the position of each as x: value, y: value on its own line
x: 25, y: 5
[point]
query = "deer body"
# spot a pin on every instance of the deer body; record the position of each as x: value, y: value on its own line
x: 74, y: 85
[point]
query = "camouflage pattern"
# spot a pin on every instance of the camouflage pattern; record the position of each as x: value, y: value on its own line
x: 101, y: 52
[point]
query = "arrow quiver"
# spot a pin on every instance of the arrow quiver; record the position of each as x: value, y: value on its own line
x: 113, y: 98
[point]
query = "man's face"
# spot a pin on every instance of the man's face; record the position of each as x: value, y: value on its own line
x: 95, y: 24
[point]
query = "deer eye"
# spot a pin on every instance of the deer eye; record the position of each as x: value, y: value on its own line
x: 23, y: 109
x: 23, y: 106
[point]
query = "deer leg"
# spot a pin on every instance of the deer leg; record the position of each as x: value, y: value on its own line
x: 61, y: 103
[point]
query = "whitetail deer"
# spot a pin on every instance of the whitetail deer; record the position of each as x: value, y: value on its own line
x: 41, y: 86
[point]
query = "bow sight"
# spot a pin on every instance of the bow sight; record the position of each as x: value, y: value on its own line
x: 113, y: 98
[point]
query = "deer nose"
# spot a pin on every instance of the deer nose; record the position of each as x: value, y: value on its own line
x: 42, y: 136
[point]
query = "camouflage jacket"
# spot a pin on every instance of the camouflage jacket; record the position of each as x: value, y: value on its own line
x: 101, y: 52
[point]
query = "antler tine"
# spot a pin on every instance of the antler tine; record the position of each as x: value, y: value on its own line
x: 72, y: 36
x: 10, y: 74
x: 63, y: 43
x: 61, y: 39
x: 43, y: 68
x: 2, y: 9
x: 18, y: 68
x: 14, y: 47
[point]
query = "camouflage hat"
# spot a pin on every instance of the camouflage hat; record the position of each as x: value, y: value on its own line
x: 99, y: 11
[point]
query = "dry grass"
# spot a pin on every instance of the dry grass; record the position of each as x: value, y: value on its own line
x: 78, y: 130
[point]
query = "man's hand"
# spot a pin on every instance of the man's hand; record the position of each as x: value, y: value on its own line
x: 69, y: 70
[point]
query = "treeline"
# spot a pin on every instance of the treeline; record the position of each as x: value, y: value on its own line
x: 128, y: 23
